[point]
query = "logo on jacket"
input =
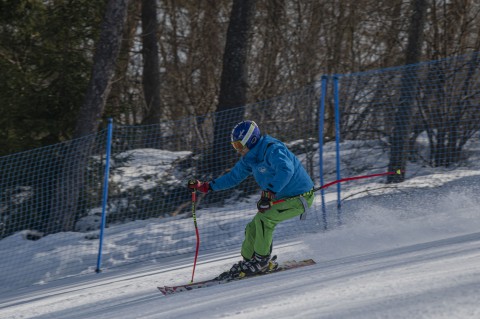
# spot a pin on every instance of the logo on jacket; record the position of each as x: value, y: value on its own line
x: 262, y: 169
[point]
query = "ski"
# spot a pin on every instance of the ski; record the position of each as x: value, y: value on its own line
x: 291, y: 264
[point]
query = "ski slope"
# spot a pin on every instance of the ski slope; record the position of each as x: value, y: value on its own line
x: 408, y: 254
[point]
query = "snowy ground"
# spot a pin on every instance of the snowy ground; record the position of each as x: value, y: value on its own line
x: 413, y: 253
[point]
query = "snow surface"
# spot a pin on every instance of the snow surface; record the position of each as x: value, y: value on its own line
x: 409, y: 251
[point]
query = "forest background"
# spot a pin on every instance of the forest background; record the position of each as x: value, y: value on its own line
x: 68, y: 65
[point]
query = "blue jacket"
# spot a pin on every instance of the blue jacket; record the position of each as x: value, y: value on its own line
x: 273, y: 166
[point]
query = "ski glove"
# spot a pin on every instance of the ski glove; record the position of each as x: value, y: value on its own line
x: 195, y: 184
x: 265, y: 202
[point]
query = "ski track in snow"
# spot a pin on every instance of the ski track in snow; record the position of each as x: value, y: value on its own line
x: 436, y: 279
x: 411, y: 252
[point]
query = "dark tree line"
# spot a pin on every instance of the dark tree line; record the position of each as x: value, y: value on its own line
x: 171, y: 61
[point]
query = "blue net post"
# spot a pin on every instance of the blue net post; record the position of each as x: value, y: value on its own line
x: 105, y: 193
x: 337, y: 146
x: 321, y: 125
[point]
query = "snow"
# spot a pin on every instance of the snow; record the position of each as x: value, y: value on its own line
x: 409, y: 251
x: 139, y: 163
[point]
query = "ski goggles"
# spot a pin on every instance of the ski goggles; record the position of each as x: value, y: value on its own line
x: 238, y: 146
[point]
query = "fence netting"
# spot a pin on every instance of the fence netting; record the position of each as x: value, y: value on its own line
x: 419, y: 117
x: 422, y: 117
x: 47, y: 191
x: 55, y: 192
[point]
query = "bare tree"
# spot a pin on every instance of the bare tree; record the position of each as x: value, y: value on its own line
x: 401, y: 131
x: 234, y: 80
x: 151, y: 64
x: 124, y: 103
x: 106, y: 53
x: 71, y: 180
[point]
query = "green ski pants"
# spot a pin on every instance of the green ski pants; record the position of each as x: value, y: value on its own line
x: 259, y: 232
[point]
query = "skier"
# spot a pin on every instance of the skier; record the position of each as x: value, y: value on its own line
x: 280, y: 175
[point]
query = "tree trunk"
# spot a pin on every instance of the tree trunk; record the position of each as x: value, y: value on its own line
x: 151, y: 74
x: 402, y: 126
x: 76, y: 153
x: 151, y: 63
x: 119, y: 104
x: 104, y: 62
x: 234, y: 82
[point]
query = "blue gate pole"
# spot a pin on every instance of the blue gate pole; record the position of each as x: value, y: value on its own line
x: 321, y: 125
x: 337, y: 146
x: 105, y: 193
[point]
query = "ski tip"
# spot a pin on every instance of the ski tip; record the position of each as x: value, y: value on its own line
x: 307, y: 262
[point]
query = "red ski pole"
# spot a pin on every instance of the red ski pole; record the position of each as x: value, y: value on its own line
x: 194, y: 199
x: 346, y: 179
